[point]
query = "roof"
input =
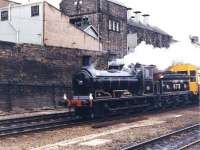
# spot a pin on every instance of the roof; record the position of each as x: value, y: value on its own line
x: 12, y: 1
x: 118, y: 3
x: 182, y: 67
x: 89, y: 29
x: 147, y: 27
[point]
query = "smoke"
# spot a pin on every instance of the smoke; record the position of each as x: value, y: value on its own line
x: 180, y: 52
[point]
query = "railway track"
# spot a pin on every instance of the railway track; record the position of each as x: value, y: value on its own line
x: 37, y: 123
x: 59, y: 120
x: 179, y: 140
x: 186, y: 147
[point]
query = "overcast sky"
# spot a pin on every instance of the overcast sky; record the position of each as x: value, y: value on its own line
x: 179, y: 18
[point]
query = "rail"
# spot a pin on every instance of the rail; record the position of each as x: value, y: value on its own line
x: 36, y: 123
x: 158, y: 140
x: 189, y: 145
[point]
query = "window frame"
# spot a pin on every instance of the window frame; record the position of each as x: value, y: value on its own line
x: 4, y: 18
x: 35, y: 13
x: 118, y: 27
x: 110, y: 24
x: 193, y: 76
x: 114, y: 25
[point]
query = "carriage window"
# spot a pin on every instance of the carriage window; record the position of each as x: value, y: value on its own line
x: 148, y: 74
x: 182, y: 72
x: 193, y: 76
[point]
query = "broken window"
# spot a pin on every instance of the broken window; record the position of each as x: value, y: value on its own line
x: 4, y: 15
x: 76, y: 21
x: 85, y: 21
x: 34, y: 10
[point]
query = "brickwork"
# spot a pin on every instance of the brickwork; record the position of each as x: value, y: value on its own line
x: 33, y: 76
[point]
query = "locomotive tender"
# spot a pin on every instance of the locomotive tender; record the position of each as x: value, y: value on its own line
x: 99, y: 93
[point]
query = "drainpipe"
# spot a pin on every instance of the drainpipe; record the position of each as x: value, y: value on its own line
x: 10, y: 23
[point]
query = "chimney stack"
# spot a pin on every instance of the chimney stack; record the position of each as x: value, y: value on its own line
x: 137, y: 15
x: 133, y: 18
x: 129, y: 14
x: 146, y: 19
x: 129, y: 11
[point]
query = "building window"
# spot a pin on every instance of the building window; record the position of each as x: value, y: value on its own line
x: 85, y: 21
x: 117, y: 27
x: 114, y: 25
x: 110, y: 24
x: 34, y: 11
x: 4, y: 15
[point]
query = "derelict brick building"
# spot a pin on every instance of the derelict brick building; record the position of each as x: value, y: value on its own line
x: 109, y: 18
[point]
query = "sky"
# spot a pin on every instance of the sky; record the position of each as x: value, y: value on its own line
x: 179, y: 18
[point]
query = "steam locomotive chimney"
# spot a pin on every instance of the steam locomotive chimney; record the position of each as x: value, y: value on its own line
x: 146, y: 19
x: 137, y: 15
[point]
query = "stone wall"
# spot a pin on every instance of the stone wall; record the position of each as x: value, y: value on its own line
x: 33, y: 76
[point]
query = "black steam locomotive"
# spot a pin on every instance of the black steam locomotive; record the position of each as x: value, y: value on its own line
x: 99, y: 93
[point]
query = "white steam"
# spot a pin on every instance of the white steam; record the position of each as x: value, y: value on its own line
x: 180, y: 52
